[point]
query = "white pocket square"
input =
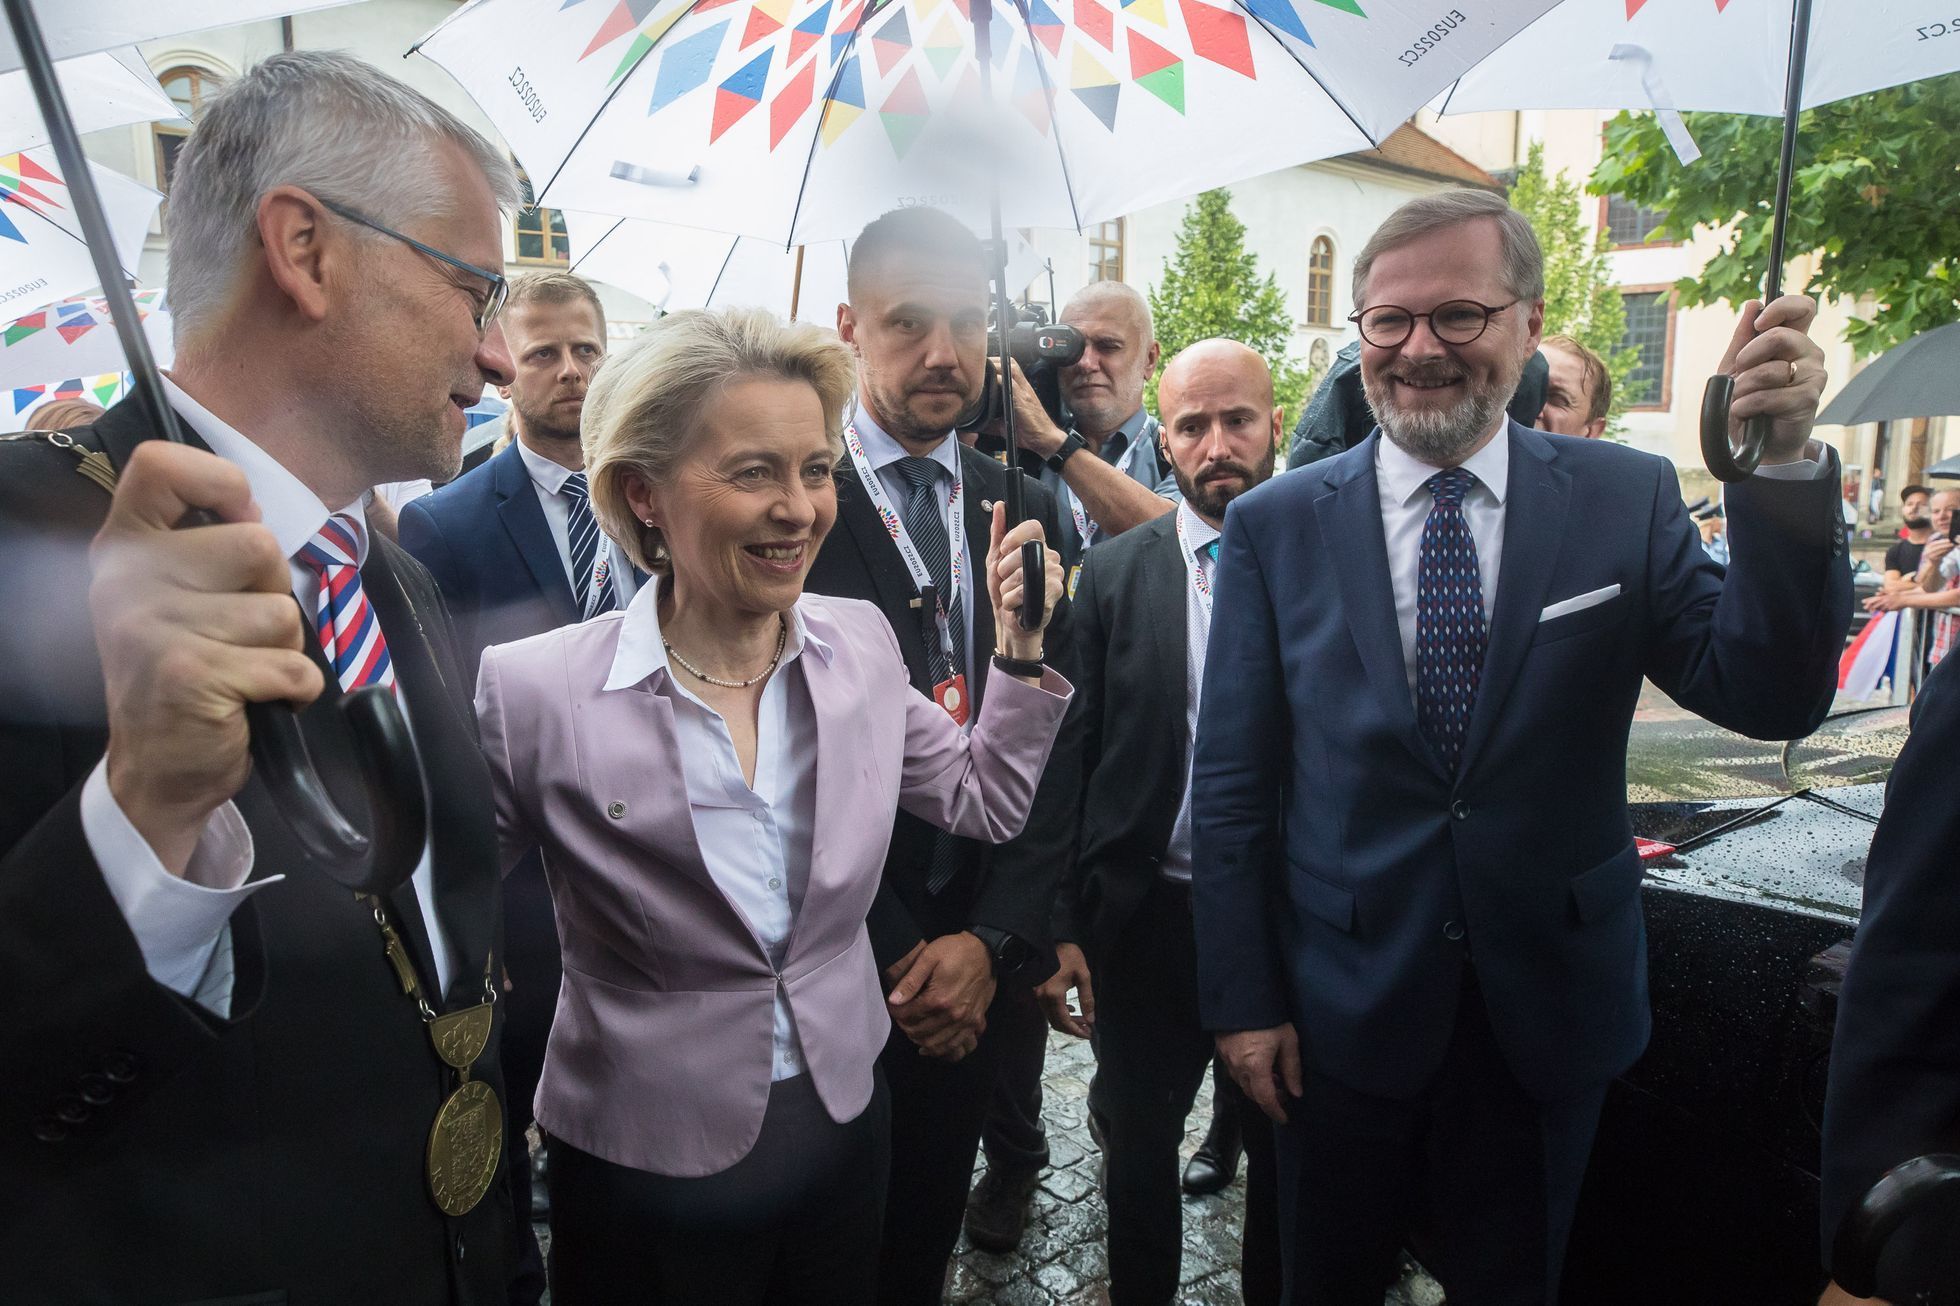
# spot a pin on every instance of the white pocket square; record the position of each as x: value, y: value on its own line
x: 1579, y: 603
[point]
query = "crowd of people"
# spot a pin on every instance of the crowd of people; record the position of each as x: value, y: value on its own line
x: 773, y: 822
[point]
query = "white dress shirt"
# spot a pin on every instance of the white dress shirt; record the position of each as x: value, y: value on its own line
x: 1197, y: 626
x: 756, y: 838
x: 883, y: 452
x: 1405, y: 500
x: 183, y: 925
x: 548, y: 480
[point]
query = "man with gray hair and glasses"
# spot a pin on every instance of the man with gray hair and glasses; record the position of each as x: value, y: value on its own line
x: 223, y: 1076
x: 1416, y: 894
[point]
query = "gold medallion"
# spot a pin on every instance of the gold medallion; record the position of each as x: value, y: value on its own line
x: 464, y: 1145
x: 461, y: 1036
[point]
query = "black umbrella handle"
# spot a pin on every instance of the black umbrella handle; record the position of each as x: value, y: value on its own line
x: 1893, y: 1200
x: 390, y: 770
x: 1725, y: 461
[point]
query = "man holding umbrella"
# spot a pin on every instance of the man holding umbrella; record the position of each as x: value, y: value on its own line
x: 225, y: 1069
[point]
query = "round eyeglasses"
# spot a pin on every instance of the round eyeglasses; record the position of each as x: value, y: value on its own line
x: 1454, y: 322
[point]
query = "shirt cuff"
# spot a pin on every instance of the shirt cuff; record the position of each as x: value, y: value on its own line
x: 176, y: 921
x: 1809, y: 468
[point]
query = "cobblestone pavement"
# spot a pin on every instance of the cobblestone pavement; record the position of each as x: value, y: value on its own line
x: 1062, y: 1261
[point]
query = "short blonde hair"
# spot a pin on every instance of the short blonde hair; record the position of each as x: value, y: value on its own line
x: 645, y: 405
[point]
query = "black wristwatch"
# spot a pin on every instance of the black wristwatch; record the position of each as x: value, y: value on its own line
x: 1071, y: 444
x: 1010, y: 951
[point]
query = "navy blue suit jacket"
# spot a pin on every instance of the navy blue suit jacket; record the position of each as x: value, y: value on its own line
x: 485, y: 540
x: 1342, y: 877
x: 1895, y: 1062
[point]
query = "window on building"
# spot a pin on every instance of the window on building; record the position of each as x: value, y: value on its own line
x: 1320, y: 283
x: 188, y: 87
x: 1649, y: 324
x: 1628, y: 223
x: 541, y: 235
x: 1106, y: 251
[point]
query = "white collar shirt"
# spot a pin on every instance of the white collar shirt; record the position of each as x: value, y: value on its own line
x: 548, y: 482
x: 1197, y: 626
x: 182, y: 924
x: 883, y: 453
x: 754, y: 838
x: 1400, y: 480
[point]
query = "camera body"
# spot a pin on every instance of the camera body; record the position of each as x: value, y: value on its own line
x: 1043, y: 349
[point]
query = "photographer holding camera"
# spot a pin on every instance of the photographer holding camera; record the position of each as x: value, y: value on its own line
x: 1107, y: 470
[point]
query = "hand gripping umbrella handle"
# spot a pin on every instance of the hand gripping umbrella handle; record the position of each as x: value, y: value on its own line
x: 1728, y: 462
x: 390, y: 770
x: 1891, y: 1201
x: 1034, y: 565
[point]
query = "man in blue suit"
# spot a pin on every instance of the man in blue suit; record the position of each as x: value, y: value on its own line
x: 1415, y: 887
x: 516, y: 551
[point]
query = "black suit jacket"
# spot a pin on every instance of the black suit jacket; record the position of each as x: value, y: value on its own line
x: 1131, y: 642
x: 153, y: 1152
x: 1008, y: 887
x: 485, y: 540
x: 1895, y: 1062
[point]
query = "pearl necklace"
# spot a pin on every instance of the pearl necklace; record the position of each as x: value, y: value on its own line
x: 782, y: 639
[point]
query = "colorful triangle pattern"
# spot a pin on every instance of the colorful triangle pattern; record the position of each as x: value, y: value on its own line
x: 1281, y: 16
x: 1218, y: 35
x: 686, y: 65
x: 904, y: 112
x: 735, y: 97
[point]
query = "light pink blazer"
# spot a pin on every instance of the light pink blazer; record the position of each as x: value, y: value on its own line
x: 659, y: 1055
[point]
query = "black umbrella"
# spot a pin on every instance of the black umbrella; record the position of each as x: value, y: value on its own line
x: 1919, y: 378
x: 391, y: 770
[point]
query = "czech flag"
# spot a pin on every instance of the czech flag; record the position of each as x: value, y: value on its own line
x: 1871, y: 657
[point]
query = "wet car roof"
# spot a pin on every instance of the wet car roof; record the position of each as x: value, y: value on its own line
x: 1806, y: 853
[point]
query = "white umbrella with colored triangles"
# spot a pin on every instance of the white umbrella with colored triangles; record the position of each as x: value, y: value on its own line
x: 797, y: 121
x: 43, y: 254
x: 75, y: 337
x: 110, y: 88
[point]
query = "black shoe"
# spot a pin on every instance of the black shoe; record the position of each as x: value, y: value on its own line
x: 997, y: 1212
x: 1216, y: 1162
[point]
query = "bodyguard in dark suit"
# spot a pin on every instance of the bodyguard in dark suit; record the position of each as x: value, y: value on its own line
x: 1417, y: 895
x: 1142, y: 612
x: 955, y: 921
x: 218, y: 1087
x: 1895, y: 1060
x: 516, y: 551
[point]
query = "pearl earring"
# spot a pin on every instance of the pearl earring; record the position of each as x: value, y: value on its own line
x: 649, y: 521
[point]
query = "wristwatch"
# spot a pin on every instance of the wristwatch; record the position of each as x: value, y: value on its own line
x: 1010, y: 951
x: 1071, y: 444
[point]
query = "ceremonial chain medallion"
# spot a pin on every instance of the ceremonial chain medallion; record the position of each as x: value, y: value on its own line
x: 467, y: 1138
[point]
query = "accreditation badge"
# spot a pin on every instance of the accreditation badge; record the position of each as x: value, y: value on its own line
x: 1074, y: 576
x: 951, y: 695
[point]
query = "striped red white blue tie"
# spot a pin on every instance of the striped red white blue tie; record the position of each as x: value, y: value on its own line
x: 350, y: 635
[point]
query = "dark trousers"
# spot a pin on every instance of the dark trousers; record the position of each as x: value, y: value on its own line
x: 1262, y: 1271
x: 794, y: 1223
x: 532, y: 964
x: 1151, y: 1055
x: 1013, y: 1137
x: 1483, y: 1177
x: 937, y: 1108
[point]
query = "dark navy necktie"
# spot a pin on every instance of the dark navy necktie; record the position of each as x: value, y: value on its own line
x: 595, y: 589
x: 1450, y: 630
x: 925, y: 523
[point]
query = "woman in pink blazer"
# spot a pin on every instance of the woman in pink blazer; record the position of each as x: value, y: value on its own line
x: 711, y: 776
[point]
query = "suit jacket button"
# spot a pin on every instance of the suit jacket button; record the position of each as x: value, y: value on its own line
x: 1460, y: 810
x: 50, y: 1130
x: 97, y: 1090
x: 71, y: 1110
x: 616, y: 810
x: 1453, y: 931
x: 121, y: 1068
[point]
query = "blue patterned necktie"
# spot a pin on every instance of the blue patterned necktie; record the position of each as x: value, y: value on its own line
x: 1450, y: 630
x: 594, y: 592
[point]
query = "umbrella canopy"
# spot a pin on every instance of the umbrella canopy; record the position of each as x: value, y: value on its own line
x: 799, y: 121
x: 1946, y: 469
x: 17, y: 402
x: 75, y: 337
x: 74, y: 27
x: 109, y: 89
x: 1722, y: 56
x: 43, y: 255
x: 1919, y: 378
x: 686, y: 267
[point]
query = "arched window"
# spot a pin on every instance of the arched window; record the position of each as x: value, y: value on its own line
x: 1320, y: 283
x: 187, y: 86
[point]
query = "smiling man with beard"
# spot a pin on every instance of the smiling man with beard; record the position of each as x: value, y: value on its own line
x: 1415, y: 890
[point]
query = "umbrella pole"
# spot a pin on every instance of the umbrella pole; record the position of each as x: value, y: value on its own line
x: 1726, y: 462
x: 796, y: 284
x: 1033, y: 565
x: 146, y: 380
x: 391, y: 771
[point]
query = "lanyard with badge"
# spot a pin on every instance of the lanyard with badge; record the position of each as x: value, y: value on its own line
x: 1200, y: 583
x: 949, y: 693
